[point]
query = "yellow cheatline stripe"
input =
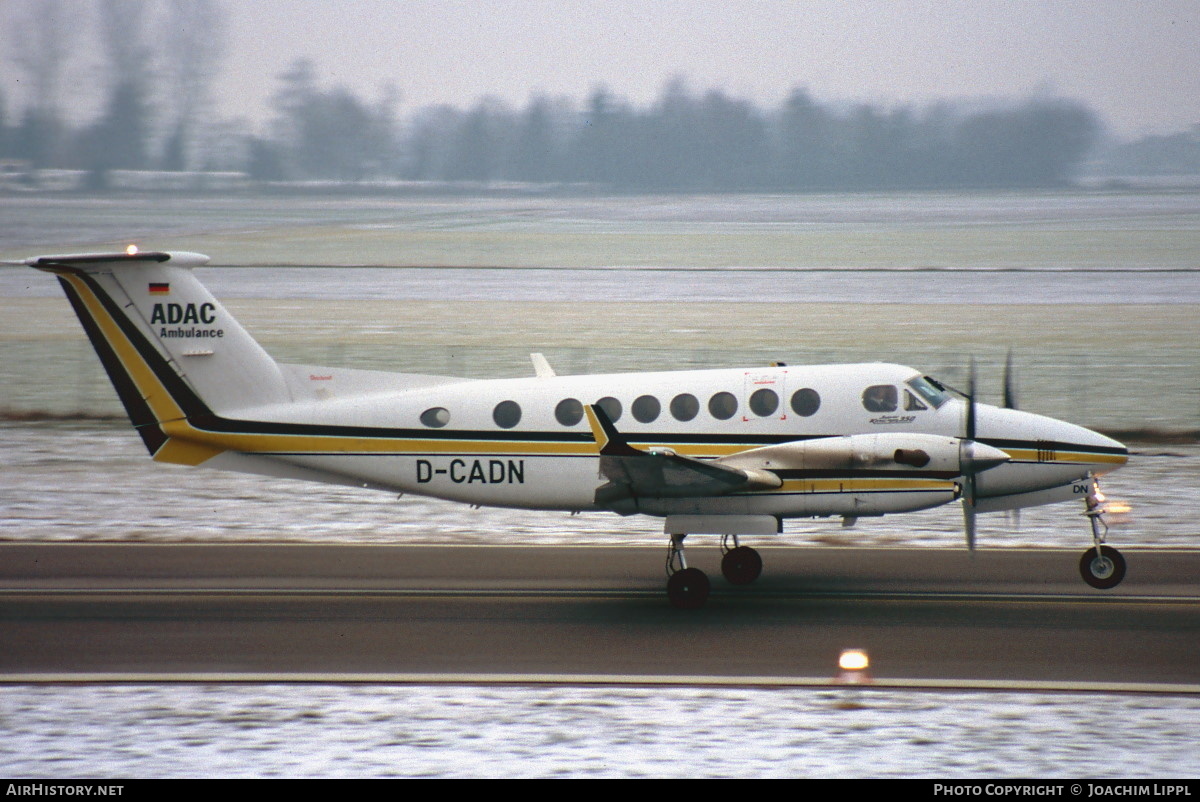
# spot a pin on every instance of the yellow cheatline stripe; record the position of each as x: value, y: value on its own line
x: 153, y: 392
x: 1031, y: 455
x: 597, y: 430
x: 852, y: 485
x: 284, y: 444
x: 188, y: 445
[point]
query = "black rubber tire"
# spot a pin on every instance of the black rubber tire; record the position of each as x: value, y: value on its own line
x: 1105, y: 571
x: 741, y: 566
x: 688, y: 589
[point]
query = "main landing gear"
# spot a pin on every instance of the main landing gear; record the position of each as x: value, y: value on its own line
x: 688, y: 588
x: 741, y: 565
x: 1101, y: 566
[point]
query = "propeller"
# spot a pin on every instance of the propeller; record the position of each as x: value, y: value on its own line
x: 974, y: 458
x: 1010, y: 383
x: 966, y: 458
x: 1010, y: 402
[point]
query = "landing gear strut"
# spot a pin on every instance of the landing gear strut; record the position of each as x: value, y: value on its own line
x: 741, y: 565
x: 687, y: 588
x: 1101, y: 566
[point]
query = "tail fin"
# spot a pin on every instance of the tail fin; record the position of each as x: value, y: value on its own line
x: 171, y: 349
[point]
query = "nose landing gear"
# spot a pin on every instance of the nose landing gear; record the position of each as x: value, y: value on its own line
x: 1101, y: 566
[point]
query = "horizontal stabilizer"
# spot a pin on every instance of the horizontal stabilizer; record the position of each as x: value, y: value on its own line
x: 180, y: 258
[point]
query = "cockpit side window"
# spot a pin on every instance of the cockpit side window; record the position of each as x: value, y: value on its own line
x: 928, y: 389
x: 911, y: 402
x: 880, y: 398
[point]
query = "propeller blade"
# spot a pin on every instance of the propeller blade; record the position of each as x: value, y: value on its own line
x: 967, y: 462
x: 1010, y: 384
x: 968, y: 502
x: 970, y: 435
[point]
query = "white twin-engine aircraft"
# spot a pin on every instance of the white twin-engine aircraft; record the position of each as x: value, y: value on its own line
x: 730, y: 452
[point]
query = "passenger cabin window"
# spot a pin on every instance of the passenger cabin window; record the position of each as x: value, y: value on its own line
x: 764, y: 402
x: 880, y: 398
x: 507, y: 414
x: 684, y: 407
x: 435, y: 418
x: 806, y: 402
x: 611, y: 407
x: 646, y: 408
x: 568, y: 412
x: 723, y: 406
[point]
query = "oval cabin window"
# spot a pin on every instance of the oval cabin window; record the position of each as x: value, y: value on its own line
x: 507, y: 414
x: 568, y: 412
x: 435, y: 418
x: 645, y: 409
x: 723, y: 406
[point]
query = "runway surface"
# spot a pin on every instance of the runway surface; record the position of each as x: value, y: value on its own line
x: 96, y: 610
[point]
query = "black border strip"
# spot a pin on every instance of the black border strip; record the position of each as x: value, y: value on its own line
x: 140, y: 414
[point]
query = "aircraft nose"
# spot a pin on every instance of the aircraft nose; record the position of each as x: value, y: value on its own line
x: 1032, y: 438
x: 1098, y: 451
x: 1118, y: 453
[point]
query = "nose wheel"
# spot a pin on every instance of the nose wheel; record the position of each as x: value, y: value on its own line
x: 1101, y: 566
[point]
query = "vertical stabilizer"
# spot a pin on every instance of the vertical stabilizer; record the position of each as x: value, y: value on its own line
x: 171, y: 349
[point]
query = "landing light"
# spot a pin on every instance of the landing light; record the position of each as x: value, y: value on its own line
x: 853, y: 664
x: 853, y: 660
x: 131, y: 250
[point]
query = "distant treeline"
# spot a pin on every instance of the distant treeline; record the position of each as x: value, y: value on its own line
x: 159, y: 61
x: 683, y: 142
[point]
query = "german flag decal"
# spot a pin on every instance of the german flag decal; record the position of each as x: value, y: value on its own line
x: 160, y: 288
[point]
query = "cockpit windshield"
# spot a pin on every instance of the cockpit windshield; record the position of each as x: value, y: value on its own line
x: 929, y: 389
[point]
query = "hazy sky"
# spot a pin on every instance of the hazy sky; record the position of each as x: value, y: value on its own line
x: 1136, y: 63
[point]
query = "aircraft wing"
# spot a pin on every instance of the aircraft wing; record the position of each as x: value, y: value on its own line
x: 661, y: 473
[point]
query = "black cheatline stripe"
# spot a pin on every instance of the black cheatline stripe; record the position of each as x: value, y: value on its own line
x: 1054, y: 445
x: 203, y: 418
x: 136, y: 407
x: 200, y: 416
x: 216, y: 423
x: 178, y: 389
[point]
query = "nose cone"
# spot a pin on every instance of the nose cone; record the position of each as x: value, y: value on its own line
x: 1114, y: 455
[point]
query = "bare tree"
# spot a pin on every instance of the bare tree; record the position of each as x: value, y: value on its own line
x: 195, y: 44
x: 42, y: 47
x: 120, y: 138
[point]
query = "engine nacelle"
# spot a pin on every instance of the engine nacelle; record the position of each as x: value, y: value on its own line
x: 936, y: 455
